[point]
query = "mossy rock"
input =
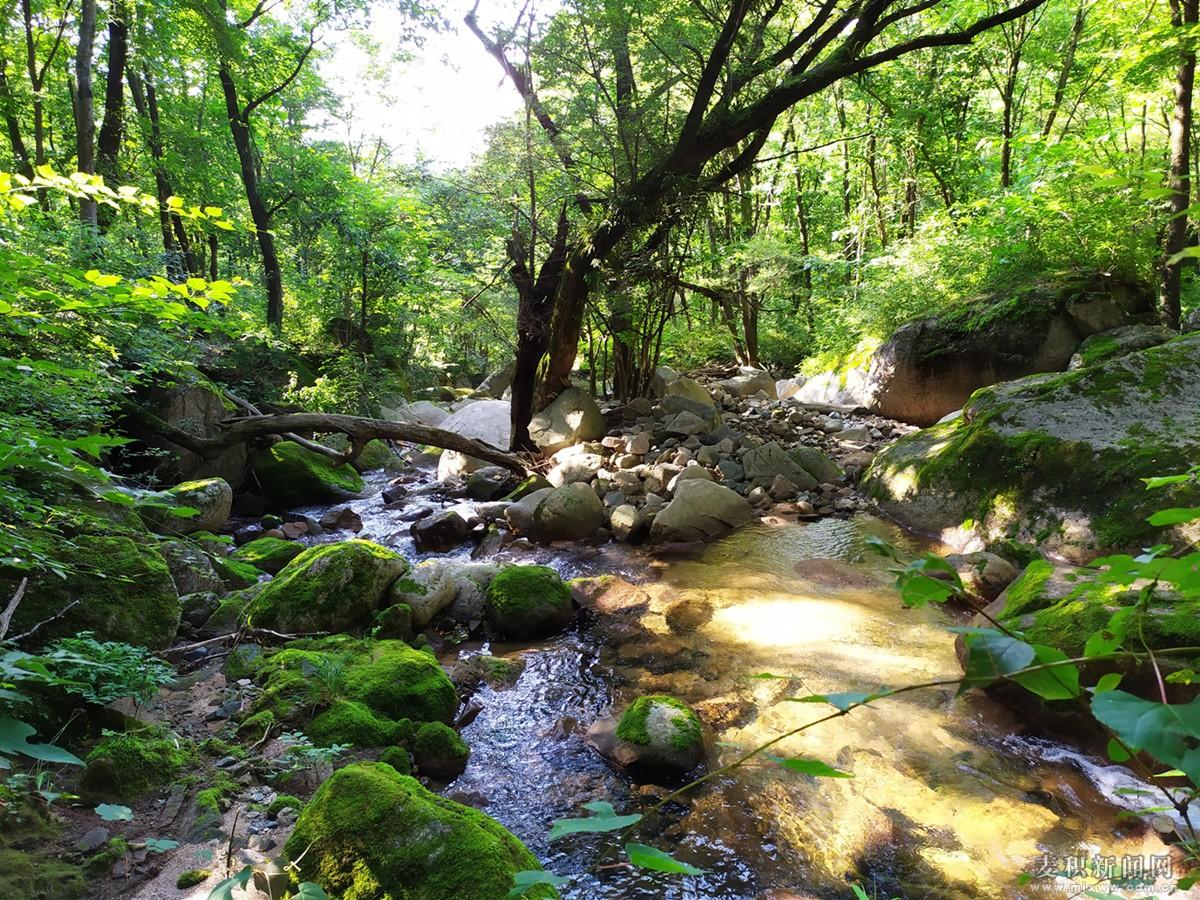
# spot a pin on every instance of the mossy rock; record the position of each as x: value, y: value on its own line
x: 191, y: 878
x: 1056, y: 606
x: 212, y: 498
x: 351, y: 722
x: 236, y: 574
x: 398, y: 759
x: 364, y: 692
x: 289, y: 475
x: 528, y: 601
x: 270, y: 554
x: 125, y: 767
x: 230, y: 614
x: 656, y: 736
x: 440, y: 752
x: 531, y: 483
x: 1057, y: 460
x: 282, y: 802
x: 121, y: 590
x: 329, y: 588
x: 370, y: 833
x: 30, y: 866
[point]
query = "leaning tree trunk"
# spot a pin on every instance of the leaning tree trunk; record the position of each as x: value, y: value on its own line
x: 1183, y: 14
x: 240, y: 129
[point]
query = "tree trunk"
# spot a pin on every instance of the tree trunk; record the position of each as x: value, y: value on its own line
x: 239, y: 127
x: 85, y: 114
x: 1183, y: 15
x: 112, y: 129
x: 8, y: 109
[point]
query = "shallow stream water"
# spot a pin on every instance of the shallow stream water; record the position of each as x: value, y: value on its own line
x: 949, y: 798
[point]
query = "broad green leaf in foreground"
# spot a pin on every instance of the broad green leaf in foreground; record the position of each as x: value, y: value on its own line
x: 114, y: 812
x: 1168, y: 732
x: 652, y: 858
x: 812, y: 767
x: 14, y: 737
x: 531, y: 878
x: 605, y: 818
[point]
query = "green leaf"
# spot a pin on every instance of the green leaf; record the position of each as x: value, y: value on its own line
x: 991, y: 654
x: 310, y: 891
x: 859, y: 893
x: 812, y: 767
x: 1112, y: 636
x: 523, y: 881
x: 1175, y: 516
x: 1107, y: 682
x: 605, y: 819
x: 224, y: 890
x: 13, y: 739
x: 652, y: 858
x: 113, y: 812
x: 843, y: 700
x: 1169, y: 733
x: 1058, y: 683
x: 160, y: 845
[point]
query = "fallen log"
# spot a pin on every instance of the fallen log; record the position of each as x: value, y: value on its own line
x: 360, y: 430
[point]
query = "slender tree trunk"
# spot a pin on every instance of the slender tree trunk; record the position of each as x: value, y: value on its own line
x: 1008, y: 97
x: 85, y: 112
x: 240, y: 129
x: 112, y: 129
x: 1183, y: 14
x: 12, y: 124
x: 1064, y: 74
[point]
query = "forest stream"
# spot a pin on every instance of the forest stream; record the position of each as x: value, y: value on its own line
x: 947, y: 799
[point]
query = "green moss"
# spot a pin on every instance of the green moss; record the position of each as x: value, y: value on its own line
x: 290, y: 475
x: 192, y: 877
x: 1018, y: 553
x: 30, y: 868
x: 534, y: 482
x: 235, y: 573
x: 351, y: 722
x: 130, y: 765
x: 685, y: 733
x: 398, y: 759
x: 230, y: 614
x: 367, y: 689
x: 528, y: 601
x: 1067, y: 624
x: 242, y: 662
x: 396, y: 621
x: 257, y: 724
x: 329, y: 588
x: 100, y: 863
x: 121, y: 590
x: 370, y: 833
x: 217, y: 748
x: 1027, y: 592
x: 270, y: 554
x: 210, y: 798
x: 440, y: 751
x: 282, y: 802
x: 32, y: 876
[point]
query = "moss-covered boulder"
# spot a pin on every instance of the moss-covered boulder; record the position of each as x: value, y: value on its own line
x: 528, y: 601
x: 440, y: 752
x: 128, y: 766
x: 345, y: 691
x: 329, y: 588
x: 191, y: 568
x: 929, y: 367
x: 1055, y: 605
x: 656, y: 734
x: 1110, y: 344
x: 289, y: 475
x: 270, y: 554
x: 211, y: 498
x: 370, y: 833
x: 1056, y: 460
x: 116, y: 587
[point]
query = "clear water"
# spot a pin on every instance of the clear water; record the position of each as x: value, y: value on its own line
x: 948, y: 799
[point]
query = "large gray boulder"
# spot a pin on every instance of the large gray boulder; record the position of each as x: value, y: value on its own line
x: 688, y: 389
x: 485, y: 420
x: 930, y: 367
x: 701, y: 511
x: 749, y: 381
x: 419, y: 412
x: 763, y: 464
x: 444, y: 585
x: 568, y: 513
x: 1056, y: 459
x: 571, y: 417
x: 496, y: 383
